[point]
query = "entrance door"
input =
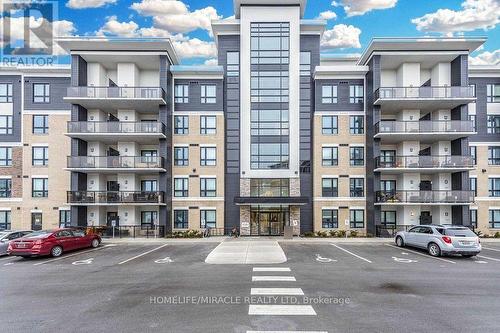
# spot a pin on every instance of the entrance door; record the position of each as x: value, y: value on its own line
x: 268, y: 221
x: 36, y: 221
x: 425, y: 217
x: 264, y: 224
x: 112, y: 218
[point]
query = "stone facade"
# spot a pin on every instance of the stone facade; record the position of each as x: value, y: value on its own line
x: 295, y: 216
x: 245, y: 187
x: 295, y: 187
x: 245, y: 220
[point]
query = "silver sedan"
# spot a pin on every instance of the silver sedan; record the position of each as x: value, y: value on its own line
x: 7, y: 236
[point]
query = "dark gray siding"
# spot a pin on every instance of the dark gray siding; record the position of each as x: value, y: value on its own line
x: 195, y: 96
x: 58, y: 89
x: 165, y: 151
x: 481, y: 110
x: 343, y: 96
x: 16, y: 100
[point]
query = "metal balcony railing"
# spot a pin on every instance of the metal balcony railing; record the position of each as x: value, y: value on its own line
x: 424, y: 126
x: 443, y: 92
x: 115, y: 197
x: 435, y: 161
x: 124, y: 162
x: 116, y: 92
x: 125, y: 127
x: 438, y: 196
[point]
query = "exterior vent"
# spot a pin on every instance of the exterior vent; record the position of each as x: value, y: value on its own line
x: 344, y: 82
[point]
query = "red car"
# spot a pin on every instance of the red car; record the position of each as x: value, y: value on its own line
x: 52, y: 242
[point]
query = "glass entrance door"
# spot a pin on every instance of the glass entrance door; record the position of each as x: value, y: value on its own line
x: 268, y: 221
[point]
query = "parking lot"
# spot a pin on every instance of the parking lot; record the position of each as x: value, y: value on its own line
x: 323, y: 287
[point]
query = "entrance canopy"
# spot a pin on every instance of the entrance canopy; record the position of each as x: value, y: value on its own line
x: 295, y: 201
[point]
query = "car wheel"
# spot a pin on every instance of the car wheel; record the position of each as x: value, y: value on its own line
x: 95, y: 243
x: 434, y: 250
x: 399, y: 241
x: 56, y: 251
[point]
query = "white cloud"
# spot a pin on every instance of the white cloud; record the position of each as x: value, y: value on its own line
x: 328, y: 15
x: 341, y: 36
x: 211, y: 62
x: 195, y: 48
x: 82, y: 4
x: 475, y: 14
x: 122, y: 29
x: 486, y: 58
x: 360, y: 7
x: 159, y: 7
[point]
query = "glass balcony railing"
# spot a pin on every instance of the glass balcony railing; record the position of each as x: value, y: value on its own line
x: 434, y: 92
x: 115, y: 197
x: 119, y: 162
x: 116, y: 92
x: 121, y: 127
x: 424, y: 126
x: 434, y: 161
x: 424, y: 197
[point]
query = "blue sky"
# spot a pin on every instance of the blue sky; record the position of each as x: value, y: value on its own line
x: 350, y: 25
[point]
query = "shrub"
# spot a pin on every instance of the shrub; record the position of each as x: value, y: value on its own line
x: 308, y: 234
x: 185, y: 234
x: 322, y: 234
x: 341, y: 233
x: 353, y: 233
x: 497, y: 234
x: 333, y: 233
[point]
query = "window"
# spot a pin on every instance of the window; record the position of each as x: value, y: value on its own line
x: 233, y: 63
x: 41, y: 93
x: 5, y: 220
x: 5, y: 156
x: 472, y: 119
x: 473, y: 90
x: 5, y: 124
x: 149, y: 156
x: 208, y: 125
x: 181, y: 93
x: 493, y: 155
x: 181, y: 125
x: 329, y: 187
x: 5, y: 188
x: 5, y: 92
x: 493, y: 93
x: 40, y: 124
x: 330, y: 156
x: 64, y: 218
x: 356, y: 125
x: 148, y: 219
x: 40, y: 156
x: 330, y: 218
x: 329, y: 125
x: 305, y: 63
x: 208, y: 218
x: 388, y: 217
x: 269, y: 187
x: 494, y: 124
x: 357, y: 218
x: 208, y: 156
x: 181, y: 156
x: 356, y: 94
x: 149, y: 185
x: 181, y: 187
x: 329, y: 94
x: 494, y: 187
x: 181, y: 219
x: 208, y: 187
x: 473, y: 185
x: 40, y: 188
x: 208, y: 94
x: 494, y: 219
x: 357, y: 187
x: 473, y: 217
x: 472, y: 152
x: 270, y: 155
x: 357, y: 156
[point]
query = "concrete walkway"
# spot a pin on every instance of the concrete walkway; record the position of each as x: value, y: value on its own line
x: 247, y: 252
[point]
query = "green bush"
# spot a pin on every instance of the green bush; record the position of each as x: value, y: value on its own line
x: 309, y: 234
x: 333, y: 233
x: 185, y: 234
x: 353, y: 233
x: 497, y: 234
x: 322, y: 234
x: 341, y: 233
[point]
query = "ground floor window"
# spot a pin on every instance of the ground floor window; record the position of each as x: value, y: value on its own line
x: 357, y: 218
x: 330, y: 218
x: 5, y: 220
x: 473, y: 217
x: 388, y: 217
x: 36, y: 221
x: 64, y: 218
x: 181, y: 219
x: 208, y: 218
x: 148, y: 219
x: 495, y: 218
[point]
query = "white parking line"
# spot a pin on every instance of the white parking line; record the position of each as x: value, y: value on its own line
x: 142, y: 254
x: 489, y: 248
x: 489, y: 258
x: 276, y: 291
x: 71, y: 255
x: 6, y: 258
x: 273, y: 278
x: 281, y: 310
x: 271, y: 269
x: 353, y: 254
x: 422, y: 254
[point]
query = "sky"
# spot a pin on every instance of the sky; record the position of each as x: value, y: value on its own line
x: 351, y: 24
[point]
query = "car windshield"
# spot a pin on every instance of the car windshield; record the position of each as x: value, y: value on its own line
x: 3, y: 234
x: 39, y: 234
x: 459, y: 232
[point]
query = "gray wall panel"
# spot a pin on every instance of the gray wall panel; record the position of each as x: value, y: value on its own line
x: 16, y: 114
x: 195, y: 96
x: 58, y: 90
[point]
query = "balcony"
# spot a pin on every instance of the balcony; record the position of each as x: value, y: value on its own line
x: 146, y: 164
x: 425, y: 131
x: 427, y: 164
x: 110, y: 198
x: 438, y: 197
x: 141, y: 99
x: 113, y: 131
x: 423, y: 98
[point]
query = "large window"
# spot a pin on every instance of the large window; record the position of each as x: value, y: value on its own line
x: 329, y: 125
x: 305, y: 63
x: 208, y: 94
x: 208, y: 156
x: 330, y: 218
x: 41, y: 93
x: 233, y: 63
x: 473, y: 185
x: 356, y: 125
x: 5, y: 220
x: 473, y: 154
x: 149, y: 185
x: 40, y: 156
x: 493, y: 93
x: 329, y: 187
x: 5, y: 156
x: 330, y: 156
x: 181, y: 125
x: 208, y: 218
x: 494, y: 155
x: 473, y: 217
x: 64, y: 218
x: 493, y: 124
x: 357, y: 218
x: 494, y: 187
x: 357, y: 156
x: 181, y: 93
x: 5, y: 93
x: 388, y: 217
x: 329, y: 94
x: 208, y: 187
x: 181, y: 187
x: 356, y: 94
x: 5, y: 188
x: 181, y: 219
x: 208, y: 125
x: 6, y: 125
x: 40, y: 124
x: 40, y: 188
x: 494, y: 219
x: 357, y: 187
x: 181, y: 156
x: 269, y: 187
x: 148, y: 219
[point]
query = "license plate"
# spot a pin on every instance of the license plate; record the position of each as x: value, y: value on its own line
x: 21, y: 246
x: 466, y: 243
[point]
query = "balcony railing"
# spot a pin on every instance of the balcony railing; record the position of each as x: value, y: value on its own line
x: 116, y: 92
x: 122, y: 127
x: 445, y: 92
x: 424, y: 126
x: 416, y: 162
x: 124, y: 162
x: 423, y: 197
x: 115, y: 197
